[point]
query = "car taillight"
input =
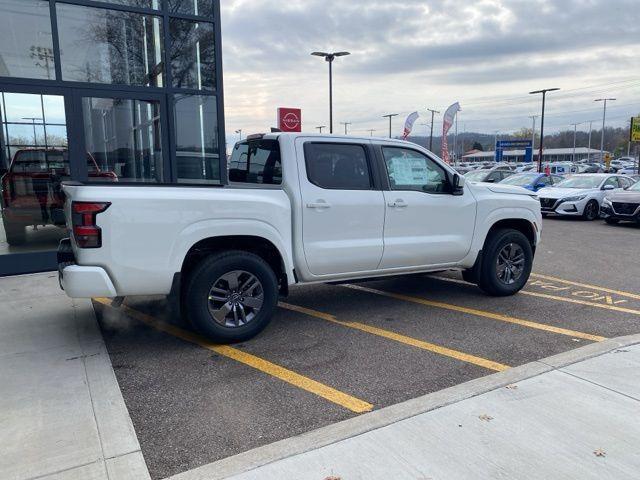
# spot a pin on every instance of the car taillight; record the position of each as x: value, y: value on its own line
x: 85, y: 231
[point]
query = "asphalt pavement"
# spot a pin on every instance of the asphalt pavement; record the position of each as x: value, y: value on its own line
x: 335, y: 352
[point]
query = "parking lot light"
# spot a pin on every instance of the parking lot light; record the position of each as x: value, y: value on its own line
x: 330, y: 57
x: 544, y: 99
x: 604, y: 122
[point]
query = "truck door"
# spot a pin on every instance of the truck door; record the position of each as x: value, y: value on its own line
x: 342, y: 211
x: 425, y: 224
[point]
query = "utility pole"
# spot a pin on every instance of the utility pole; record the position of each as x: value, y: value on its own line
x: 390, y: 117
x: 320, y: 128
x: 371, y: 130
x: 604, y: 123
x: 544, y: 100
x: 575, y: 134
x: 433, y: 114
x: 346, y: 125
x: 590, y: 132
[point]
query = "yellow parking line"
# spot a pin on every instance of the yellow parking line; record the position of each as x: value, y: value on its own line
x: 586, y: 285
x: 613, y: 308
x: 331, y: 394
x: 481, y: 313
x: 447, y: 352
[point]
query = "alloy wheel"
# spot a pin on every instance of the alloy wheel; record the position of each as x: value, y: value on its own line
x: 510, y: 263
x: 235, y: 299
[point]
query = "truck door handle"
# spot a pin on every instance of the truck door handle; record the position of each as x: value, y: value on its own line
x: 398, y: 204
x: 320, y: 205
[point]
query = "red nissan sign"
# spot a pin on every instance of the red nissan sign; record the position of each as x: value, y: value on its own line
x: 290, y: 119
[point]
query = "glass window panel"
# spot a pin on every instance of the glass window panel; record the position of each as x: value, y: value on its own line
x: 53, y: 109
x: 109, y: 46
x: 197, y: 151
x: 31, y: 135
x: 152, y: 4
x: 26, y: 43
x: 256, y: 161
x: 192, y: 7
x: 337, y: 166
x: 192, y: 54
x: 124, y: 138
x: 32, y: 210
x: 411, y: 170
x: 56, y: 135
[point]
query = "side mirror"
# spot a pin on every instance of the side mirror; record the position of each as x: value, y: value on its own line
x: 457, y: 185
x: 608, y: 187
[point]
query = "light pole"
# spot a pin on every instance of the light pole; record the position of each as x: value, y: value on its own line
x: 346, y: 125
x: 239, y: 131
x: 433, y: 114
x: 590, y: 131
x: 604, y: 122
x: 330, y: 57
x: 371, y: 130
x: 320, y: 128
x: 33, y: 122
x: 390, y: 117
x: 544, y: 100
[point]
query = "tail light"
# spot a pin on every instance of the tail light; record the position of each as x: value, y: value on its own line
x: 85, y: 231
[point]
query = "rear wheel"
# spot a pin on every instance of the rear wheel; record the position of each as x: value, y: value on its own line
x: 506, y: 264
x: 15, y: 232
x: 231, y: 297
x: 591, y: 210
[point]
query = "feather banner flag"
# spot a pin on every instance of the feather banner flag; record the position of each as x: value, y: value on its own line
x: 408, y: 125
x: 447, y: 122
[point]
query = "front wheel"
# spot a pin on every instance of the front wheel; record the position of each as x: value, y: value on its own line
x: 506, y: 264
x: 230, y: 297
x: 591, y: 210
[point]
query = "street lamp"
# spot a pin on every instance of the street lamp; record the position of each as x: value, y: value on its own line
x: 330, y: 57
x: 533, y: 135
x: 320, y: 128
x: 604, y: 121
x: 346, y: 125
x: 433, y: 113
x: 371, y: 130
x: 544, y: 100
x: 575, y: 134
x: 33, y: 122
x: 390, y: 117
x: 239, y: 131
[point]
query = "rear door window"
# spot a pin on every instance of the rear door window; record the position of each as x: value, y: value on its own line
x: 338, y: 166
x: 257, y: 162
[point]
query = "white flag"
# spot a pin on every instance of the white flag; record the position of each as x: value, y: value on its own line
x: 408, y: 125
x: 447, y: 122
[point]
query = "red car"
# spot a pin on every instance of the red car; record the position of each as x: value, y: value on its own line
x: 32, y: 192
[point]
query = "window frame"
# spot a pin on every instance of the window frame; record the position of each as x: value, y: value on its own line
x: 447, y: 173
x: 369, y: 158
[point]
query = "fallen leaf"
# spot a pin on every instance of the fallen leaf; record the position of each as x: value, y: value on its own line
x: 512, y: 387
x: 485, y: 418
x: 600, y: 453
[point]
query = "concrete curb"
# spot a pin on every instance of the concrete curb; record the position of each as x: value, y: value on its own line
x: 353, y: 427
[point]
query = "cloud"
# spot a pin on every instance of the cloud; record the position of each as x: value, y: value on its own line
x: 412, y: 54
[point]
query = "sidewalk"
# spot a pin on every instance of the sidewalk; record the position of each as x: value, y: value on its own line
x: 62, y: 415
x: 573, y: 416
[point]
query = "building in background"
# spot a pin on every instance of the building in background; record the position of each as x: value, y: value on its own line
x: 549, y: 155
x: 102, y: 91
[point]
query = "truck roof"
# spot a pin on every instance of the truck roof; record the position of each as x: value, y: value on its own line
x: 276, y: 135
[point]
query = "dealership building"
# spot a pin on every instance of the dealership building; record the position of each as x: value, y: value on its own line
x: 126, y: 91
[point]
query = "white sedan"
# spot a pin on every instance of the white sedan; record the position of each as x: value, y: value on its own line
x: 581, y: 195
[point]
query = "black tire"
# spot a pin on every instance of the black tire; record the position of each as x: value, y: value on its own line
x: 591, y: 210
x: 489, y: 280
x: 470, y: 276
x: 196, y: 300
x: 15, y: 232
x: 612, y: 221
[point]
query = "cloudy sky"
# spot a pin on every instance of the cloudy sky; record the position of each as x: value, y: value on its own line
x: 415, y: 54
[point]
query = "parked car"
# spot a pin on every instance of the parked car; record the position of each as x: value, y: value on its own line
x: 488, y: 176
x: 622, y: 205
x: 628, y: 171
x: 532, y: 181
x: 313, y: 209
x: 580, y: 195
x: 32, y: 193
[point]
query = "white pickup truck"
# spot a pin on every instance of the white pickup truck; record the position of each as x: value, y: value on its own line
x: 298, y: 209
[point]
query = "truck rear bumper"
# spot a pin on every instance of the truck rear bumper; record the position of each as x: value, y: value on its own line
x: 86, y: 282
x: 79, y: 281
